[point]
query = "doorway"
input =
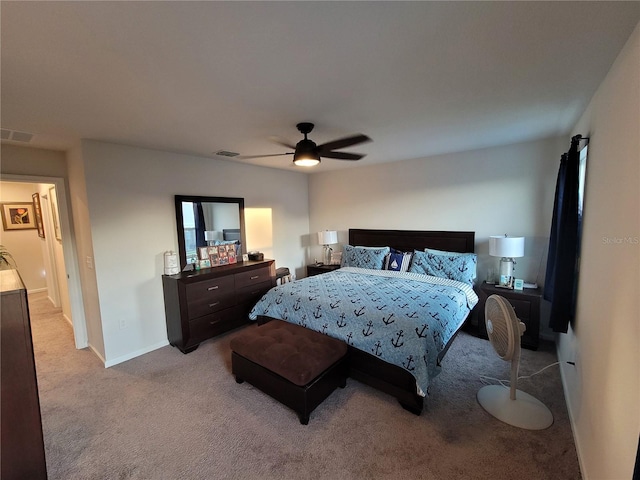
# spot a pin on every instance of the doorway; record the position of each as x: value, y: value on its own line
x: 59, y: 259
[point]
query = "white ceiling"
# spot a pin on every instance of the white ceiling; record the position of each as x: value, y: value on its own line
x: 419, y: 78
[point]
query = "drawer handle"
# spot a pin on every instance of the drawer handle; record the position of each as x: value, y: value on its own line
x: 213, y: 288
x: 254, y: 277
x: 211, y: 305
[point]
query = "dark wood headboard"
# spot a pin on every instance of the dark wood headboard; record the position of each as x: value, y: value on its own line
x: 409, y: 240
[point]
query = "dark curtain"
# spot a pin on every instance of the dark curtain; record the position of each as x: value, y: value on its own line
x: 198, y: 215
x: 561, y: 279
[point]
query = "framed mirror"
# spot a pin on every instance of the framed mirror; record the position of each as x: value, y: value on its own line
x: 203, y: 221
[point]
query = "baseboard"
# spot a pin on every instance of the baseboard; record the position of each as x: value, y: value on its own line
x: 97, y: 354
x: 137, y: 353
x: 576, y: 438
x: 36, y: 290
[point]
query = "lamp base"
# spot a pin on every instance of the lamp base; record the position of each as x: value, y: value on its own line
x: 327, y: 254
x: 506, y: 272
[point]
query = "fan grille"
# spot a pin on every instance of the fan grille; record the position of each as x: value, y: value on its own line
x: 500, y: 318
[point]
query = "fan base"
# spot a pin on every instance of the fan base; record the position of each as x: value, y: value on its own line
x: 525, y: 411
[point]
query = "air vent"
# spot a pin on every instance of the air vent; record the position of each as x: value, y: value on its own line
x: 16, y: 136
x: 225, y: 153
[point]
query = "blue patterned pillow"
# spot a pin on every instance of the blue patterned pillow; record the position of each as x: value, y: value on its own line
x: 363, y: 257
x: 397, y: 261
x: 452, y: 265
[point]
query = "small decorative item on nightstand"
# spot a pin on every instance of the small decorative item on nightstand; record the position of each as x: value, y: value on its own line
x: 336, y: 258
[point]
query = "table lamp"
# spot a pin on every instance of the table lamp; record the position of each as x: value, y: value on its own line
x: 326, y: 238
x: 508, y: 248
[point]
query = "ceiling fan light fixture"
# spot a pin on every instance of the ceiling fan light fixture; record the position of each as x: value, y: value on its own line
x: 306, y: 154
x: 306, y: 160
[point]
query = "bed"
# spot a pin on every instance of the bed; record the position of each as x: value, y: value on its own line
x: 398, y: 325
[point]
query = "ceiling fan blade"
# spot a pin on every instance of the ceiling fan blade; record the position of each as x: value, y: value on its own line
x: 246, y: 157
x: 342, y: 155
x: 282, y: 141
x: 343, y: 143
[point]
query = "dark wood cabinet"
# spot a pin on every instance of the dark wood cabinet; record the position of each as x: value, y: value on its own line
x: 317, y: 269
x: 205, y: 303
x: 526, y: 304
x: 22, y: 453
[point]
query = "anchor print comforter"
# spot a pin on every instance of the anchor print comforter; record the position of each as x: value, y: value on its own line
x: 403, y: 318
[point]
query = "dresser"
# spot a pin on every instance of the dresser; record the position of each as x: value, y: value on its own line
x: 202, y: 304
x: 22, y: 453
x: 526, y: 304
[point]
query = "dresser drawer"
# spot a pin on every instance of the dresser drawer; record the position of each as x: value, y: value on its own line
x: 214, y: 324
x: 253, y: 277
x: 209, y: 296
x: 253, y: 293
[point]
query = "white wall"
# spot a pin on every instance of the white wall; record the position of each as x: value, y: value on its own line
x: 26, y: 247
x: 491, y: 191
x: 603, y: 389
x: 130, y: 207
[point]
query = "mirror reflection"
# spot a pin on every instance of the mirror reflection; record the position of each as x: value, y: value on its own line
x: 207, y: 221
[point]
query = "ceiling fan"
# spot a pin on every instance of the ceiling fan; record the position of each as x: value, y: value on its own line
x: 307, y: 154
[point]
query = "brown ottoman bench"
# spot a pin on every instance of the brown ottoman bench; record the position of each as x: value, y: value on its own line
x: 296, y: 366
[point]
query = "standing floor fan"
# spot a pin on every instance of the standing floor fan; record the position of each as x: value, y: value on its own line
x: 510, y: 405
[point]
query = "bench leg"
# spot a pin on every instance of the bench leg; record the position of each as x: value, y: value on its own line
x: 304, y: 419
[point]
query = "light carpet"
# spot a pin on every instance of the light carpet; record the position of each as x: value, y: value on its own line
x: 166, y: 415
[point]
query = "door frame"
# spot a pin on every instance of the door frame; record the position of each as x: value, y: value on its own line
x: 70, y: 253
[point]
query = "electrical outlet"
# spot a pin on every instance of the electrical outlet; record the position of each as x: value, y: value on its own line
x: 123, y: 324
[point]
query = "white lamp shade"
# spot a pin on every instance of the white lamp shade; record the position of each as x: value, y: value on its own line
x: 327, y: 237
x: 509, y: 247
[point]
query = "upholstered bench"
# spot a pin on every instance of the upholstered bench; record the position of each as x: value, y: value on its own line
x: 296, y: 366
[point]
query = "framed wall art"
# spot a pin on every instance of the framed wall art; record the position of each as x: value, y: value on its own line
x: 37, y: 210
x: 18, y: 216
x: 53, y: 199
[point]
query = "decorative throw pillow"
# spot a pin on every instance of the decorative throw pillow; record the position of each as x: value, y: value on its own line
x: 397, y: 261
x: 452, y: 265
x: 363, y: 257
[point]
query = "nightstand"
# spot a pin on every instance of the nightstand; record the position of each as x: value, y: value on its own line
x: 525, y: 302
x: 319, y: 268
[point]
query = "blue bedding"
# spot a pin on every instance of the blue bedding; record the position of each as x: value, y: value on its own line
x: 402, y: 318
